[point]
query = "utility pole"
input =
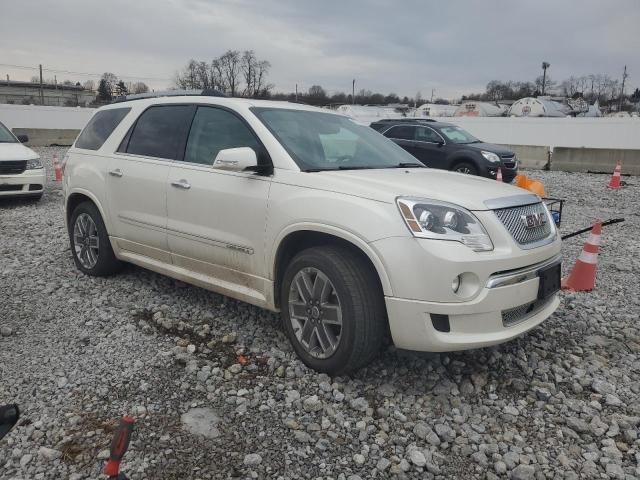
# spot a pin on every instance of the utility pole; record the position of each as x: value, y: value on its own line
x: 353, y: 92
x: 432, y: 90
x: 296, y: 92
x: 624, y: 77
x: 545, y: 65
x: 41, y: 91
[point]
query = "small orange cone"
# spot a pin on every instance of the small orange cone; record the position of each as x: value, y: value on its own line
x: 57, y: 168
x: 499, y: 175
x: 615, y: 179
x: 583, y: 276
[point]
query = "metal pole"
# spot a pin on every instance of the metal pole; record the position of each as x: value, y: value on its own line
x: 353, y: 92
x: 296, y: 92
x: 41, y: 91
x: 624, y: 77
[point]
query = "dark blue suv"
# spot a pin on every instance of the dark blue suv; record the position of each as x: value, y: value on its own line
x: 449, y: 147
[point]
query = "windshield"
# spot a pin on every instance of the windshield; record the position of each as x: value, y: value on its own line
x: 457, y: 135
x: 6, y: 136
x: 325, y: 141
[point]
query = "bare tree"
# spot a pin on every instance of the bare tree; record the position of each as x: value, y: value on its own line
x: 139, y: 87
x: 229, y: 68
x: 89, y: 85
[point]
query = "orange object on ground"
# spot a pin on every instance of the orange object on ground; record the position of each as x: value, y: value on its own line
x: 499, y: 175
x: 57, y: 168
x: 583, y: 276
x: 615, y: 178
x: 532, y: 185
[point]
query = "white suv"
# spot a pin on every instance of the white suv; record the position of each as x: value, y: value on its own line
x: 21, y: 171
x: 302, y: 211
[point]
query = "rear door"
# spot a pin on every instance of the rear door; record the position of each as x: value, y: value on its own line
x: 429, y: 147
x: 137, y: 179
x: 217, y: 219
x: 403, y: 135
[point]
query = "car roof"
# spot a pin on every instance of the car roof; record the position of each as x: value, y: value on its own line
x: 232, y: 102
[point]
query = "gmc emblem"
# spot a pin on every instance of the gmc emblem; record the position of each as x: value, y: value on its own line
x: 534, y: 220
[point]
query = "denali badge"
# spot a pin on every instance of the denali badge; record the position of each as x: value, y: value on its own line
x: 534, y: 219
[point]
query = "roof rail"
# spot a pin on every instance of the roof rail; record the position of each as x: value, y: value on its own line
x: 405, y: 120
x: 207, y: 92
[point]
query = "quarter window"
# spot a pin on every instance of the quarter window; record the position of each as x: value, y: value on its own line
x: 401, y: 132
x: 101, y: 125
x: 213, y: 130
x: 161, y: 132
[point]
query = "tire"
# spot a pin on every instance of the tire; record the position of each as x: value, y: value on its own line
x: 94, y: 258
x: 360, y: 307
x: 465, y: 167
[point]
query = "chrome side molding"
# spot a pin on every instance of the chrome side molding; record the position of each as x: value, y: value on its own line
x: 522, y: 274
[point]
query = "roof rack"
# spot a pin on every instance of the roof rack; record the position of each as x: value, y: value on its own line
x: 207, y: 92
x: 405, y: 120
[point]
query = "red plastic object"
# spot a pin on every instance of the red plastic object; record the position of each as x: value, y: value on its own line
x: 119, y: 446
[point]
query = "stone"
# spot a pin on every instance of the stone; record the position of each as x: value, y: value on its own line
x: 312, y: 404
x: 523, y: 472
x: 49, y: 454
x: 252, y: 459
x: 201, y: 421
x: 417, y: 458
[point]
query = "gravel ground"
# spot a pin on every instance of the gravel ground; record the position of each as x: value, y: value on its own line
x: 218, y: 393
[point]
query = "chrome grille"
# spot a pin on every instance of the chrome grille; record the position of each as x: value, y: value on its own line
x: 511, y: 218
x: 515, y: 315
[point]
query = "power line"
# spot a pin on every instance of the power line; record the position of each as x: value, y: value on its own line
x: 69, y: 72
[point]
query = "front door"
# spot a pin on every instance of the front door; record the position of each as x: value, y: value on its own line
x: 216, y: 219
x: 137, y: 180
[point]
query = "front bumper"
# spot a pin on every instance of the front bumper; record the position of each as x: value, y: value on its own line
x: 30, y: 182
x: 497, y: 299
x: 499, y: 314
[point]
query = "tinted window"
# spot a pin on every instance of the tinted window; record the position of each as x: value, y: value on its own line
x: 402, y: 132
x: 5, y: 135
x: 424, y: 134
x: 458, y: 135
x: 213, y: 130
x: 161, y: 131
x: 101, y: 125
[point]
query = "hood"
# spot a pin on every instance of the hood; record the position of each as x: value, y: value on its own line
x: 386, y: 185
x: 16, y: 151
x: 489, y: 147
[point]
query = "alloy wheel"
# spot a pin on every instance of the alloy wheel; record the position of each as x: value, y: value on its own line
x: 315, y: 313
x: 85, y: 241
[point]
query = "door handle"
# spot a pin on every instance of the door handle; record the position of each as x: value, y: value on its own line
x: 116, y: 173
x: 181, y: 184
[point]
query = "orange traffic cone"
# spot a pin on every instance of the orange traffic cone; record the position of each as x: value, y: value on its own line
x: 57, y: 168
x: 583, y: 276
x: 499, y: 175
x: 615, y: 179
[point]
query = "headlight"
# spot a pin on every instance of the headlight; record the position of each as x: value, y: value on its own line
x: 34, y: 164
x: 444, y: 221
x: 492, y: 157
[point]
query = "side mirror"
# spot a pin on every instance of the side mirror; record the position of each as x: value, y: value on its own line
x: 23, y: 138
x: 236, y: 159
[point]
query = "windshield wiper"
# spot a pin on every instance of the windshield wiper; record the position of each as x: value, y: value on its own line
x: 409, y: 165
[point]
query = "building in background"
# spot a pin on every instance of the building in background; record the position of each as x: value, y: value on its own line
x: 29, y: 93
x: 538, y: 107
x: 435, y: 110
x: 478, y: 109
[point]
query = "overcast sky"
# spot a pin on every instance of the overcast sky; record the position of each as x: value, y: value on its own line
x: 400, y: 46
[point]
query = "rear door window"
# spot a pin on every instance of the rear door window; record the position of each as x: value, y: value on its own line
x: 425, y: 134
x: 400, y: 132
x: 101, y: 125
x: 161, y: 132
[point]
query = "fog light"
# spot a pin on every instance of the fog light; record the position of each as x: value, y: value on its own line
x: 455, y: 284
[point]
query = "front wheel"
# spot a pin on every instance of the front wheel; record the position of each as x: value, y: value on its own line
x: 90, y: 245
x: 466, y: 167
x: 333, y: 309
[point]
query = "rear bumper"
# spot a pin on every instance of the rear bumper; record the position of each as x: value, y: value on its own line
x: 31, y: 182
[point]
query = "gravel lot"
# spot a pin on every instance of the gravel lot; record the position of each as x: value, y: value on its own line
x: 78, y: 352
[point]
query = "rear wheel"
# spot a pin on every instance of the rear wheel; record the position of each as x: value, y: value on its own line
x: 466, y: 167
x: 333, y: 309
x: 90, y: 245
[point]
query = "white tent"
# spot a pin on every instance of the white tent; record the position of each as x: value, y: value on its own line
x: 366, y: 114
x: 478, y: 109
x: 435, y: 110
x: 537, y: 107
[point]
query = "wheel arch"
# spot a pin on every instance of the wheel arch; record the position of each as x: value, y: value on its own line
x: 75, y: 198
x: 296, y: 239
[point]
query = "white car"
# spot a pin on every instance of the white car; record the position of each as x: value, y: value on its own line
x: 21, y: 171
x: 302, y: 211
